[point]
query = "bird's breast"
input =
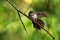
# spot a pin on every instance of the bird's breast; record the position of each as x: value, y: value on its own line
x: 34, y: 16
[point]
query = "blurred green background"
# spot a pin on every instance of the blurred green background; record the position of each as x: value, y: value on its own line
x: 11, y: 27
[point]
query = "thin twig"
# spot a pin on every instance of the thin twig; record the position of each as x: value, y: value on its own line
x: 17, y: 9
x: 21, y: 21
x: 18, y: 14
x: 31, y: 20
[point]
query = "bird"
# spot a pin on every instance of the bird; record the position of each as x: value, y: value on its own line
x: 34, y: 16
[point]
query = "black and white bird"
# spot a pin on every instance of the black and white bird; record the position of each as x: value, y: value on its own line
x: 34, y: 16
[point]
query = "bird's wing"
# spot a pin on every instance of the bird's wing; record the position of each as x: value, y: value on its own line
x: 41, y: 14
x: 40, y: 22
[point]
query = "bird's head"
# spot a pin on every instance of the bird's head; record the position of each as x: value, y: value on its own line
x: 32, y: 15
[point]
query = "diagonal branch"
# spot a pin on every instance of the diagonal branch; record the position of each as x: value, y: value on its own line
x: 21, y: 21
x: 18, y: 14
x: 17, y: 9
x: 30, y: 19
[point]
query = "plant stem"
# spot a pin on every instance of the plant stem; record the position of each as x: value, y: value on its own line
x: 21, y: 21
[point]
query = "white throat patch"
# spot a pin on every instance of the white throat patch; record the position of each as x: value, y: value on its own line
x: 34, y: 16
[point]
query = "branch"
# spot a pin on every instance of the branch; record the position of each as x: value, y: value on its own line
x: 17, y: 9
x: 21, y: 21
x: 30, y: 19
x: 18, y: 14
